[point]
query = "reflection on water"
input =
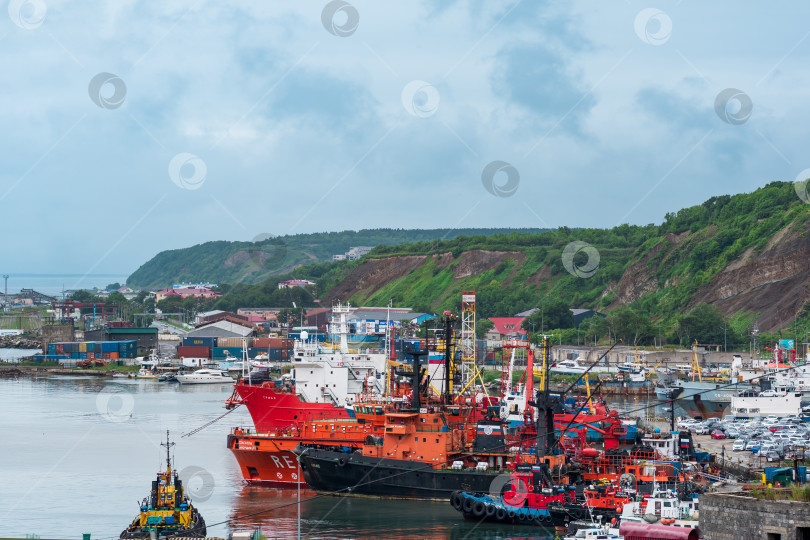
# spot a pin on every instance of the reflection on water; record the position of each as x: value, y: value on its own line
x: 276, y: 511
x: 81, y: 452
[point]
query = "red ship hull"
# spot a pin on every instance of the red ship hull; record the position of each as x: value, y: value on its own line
x: 267, y: 467
x: 273, y: 408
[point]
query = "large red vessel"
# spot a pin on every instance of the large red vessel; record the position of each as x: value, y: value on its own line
x: 274, y: 405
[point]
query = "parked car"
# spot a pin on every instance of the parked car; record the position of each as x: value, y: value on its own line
x: 718, y: 434
x: 751, y: 444
x: 684, y: 423
x: 700, y: 429
x: 772, y: 455
x: 739, y: 445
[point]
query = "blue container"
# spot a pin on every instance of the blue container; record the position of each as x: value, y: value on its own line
x: 200, y: 342
x: 220, y: 353
x: 51, y: 348
x: 83, y: 355
x: 109, y: 346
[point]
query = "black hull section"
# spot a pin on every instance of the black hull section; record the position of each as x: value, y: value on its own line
x: 354, y: 474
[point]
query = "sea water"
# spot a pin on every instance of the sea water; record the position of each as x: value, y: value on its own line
x: 79, y: 454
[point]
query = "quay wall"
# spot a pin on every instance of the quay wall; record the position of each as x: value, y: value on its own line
x: 740, y: 517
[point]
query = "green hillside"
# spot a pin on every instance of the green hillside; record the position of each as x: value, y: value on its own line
x: 744, y: 255
x: 252, y: 262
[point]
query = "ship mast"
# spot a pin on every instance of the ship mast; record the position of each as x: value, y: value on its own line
x: 168, y: 446
x: 447, y: 321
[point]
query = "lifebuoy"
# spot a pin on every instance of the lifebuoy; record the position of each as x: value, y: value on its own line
x: 479, y: 509
x: 468, y: 504
x: 619, y: 508
x: 500, y: 514
x: 456, y: 500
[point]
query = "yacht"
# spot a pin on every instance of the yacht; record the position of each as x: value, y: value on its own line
x: 568, y: 367
x: 206, y: 376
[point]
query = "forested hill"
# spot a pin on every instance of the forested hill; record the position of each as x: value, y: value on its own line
x: 252, y: 262
x: 746, y: 255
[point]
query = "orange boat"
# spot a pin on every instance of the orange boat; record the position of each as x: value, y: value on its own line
x: 267, y: 458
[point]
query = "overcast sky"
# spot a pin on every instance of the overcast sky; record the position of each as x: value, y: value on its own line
x: 130, y: 127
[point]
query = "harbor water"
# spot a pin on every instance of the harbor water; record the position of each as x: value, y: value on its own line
x: 79, y: 454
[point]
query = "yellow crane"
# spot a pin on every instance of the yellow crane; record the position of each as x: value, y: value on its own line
x: 647, y: 376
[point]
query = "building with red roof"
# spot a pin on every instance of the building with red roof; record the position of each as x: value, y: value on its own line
x: 505, y: 328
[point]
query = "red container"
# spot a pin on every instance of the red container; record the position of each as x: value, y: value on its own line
x: 279, y: 343
x: 105, y: 356
x: 193, y: 351
x: 261, y: 343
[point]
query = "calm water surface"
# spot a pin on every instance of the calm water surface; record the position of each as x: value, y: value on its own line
x: 78, y: 453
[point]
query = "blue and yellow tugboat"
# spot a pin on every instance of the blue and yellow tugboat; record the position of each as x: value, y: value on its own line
x: 168, y: 511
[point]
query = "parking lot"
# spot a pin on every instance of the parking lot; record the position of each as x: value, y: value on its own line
x: 769, y: 442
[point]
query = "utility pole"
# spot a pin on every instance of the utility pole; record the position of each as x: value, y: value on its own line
x: 671, y: 415
x: 5, y: 295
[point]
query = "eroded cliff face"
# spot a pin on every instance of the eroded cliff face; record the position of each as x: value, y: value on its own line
x: 641, y: 277
x: 373, y: 274
x: 775, y: 282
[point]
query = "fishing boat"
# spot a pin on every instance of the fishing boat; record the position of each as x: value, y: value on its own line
x: 167, y: 512
x: 717, y: 391
x: 315, y: 401
x: 664, y: 507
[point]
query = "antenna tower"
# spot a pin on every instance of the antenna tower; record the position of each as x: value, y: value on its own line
x: 466, y: 344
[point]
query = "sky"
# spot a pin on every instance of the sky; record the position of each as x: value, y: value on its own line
x: 132, y: 127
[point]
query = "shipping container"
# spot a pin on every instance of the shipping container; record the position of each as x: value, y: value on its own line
x: 200, y: 341
x: 83, y: 347
x: 188, y: 351
x: 261, y: 343
x: 83, y: 355
x: 109, y: 346
x: 49, y: 357
x: 280, y: 343
x: 232, y: 342
x: 113, y: 356
x: 220, y: 353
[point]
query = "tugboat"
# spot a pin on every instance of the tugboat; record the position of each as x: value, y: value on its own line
x: 167, y: 512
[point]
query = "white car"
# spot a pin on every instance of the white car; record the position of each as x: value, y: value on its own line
x: 739, y: 445
x: 685, y: 423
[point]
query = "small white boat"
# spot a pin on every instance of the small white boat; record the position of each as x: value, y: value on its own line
x: 205, y: 376
x: 596, y: 532
x: 568, y: 367
x: 146, y: 373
